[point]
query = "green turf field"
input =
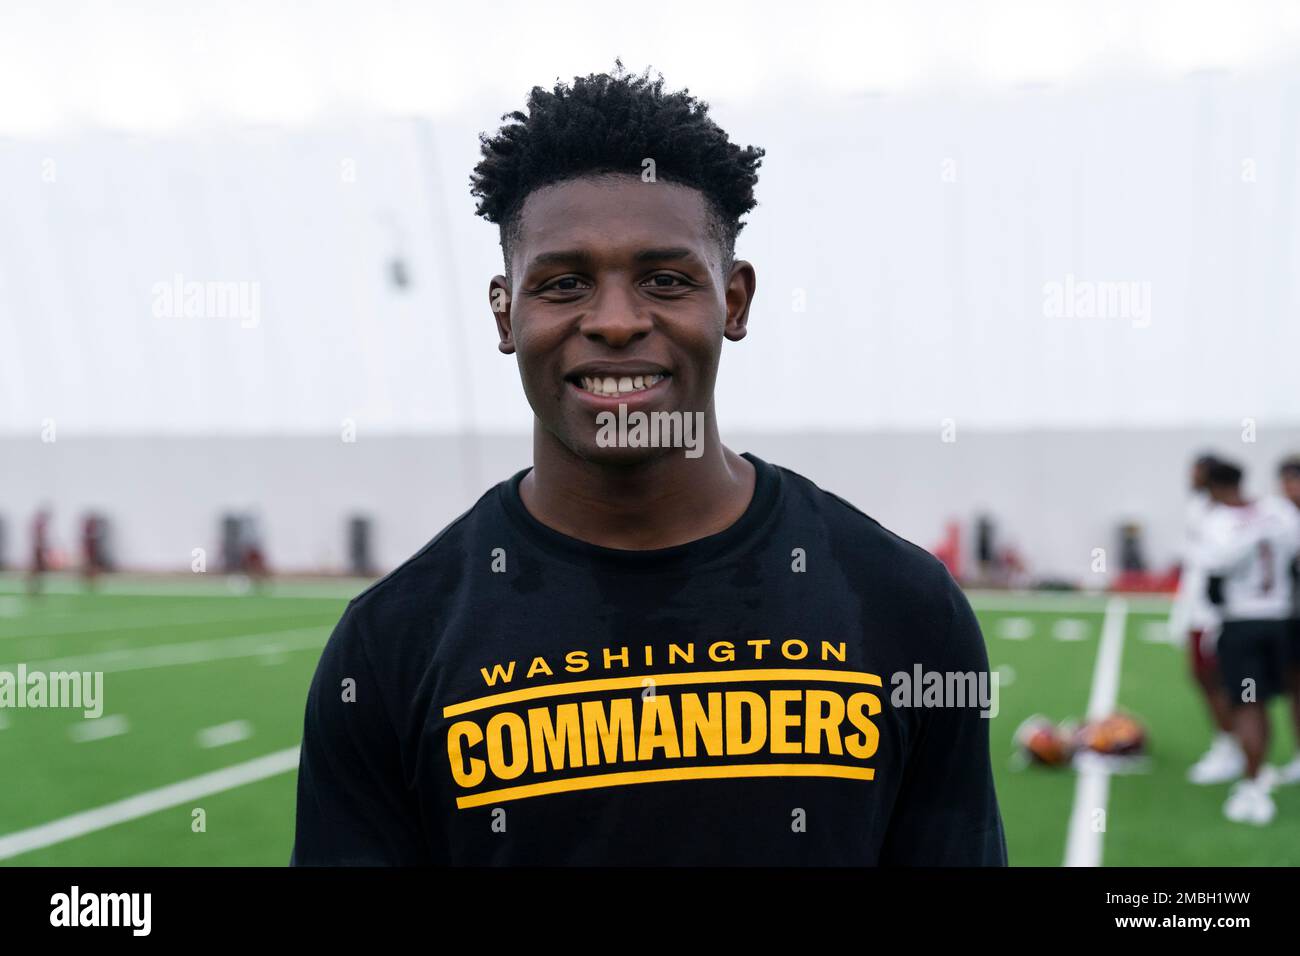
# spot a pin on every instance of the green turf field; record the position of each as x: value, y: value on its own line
x: 205, y: 689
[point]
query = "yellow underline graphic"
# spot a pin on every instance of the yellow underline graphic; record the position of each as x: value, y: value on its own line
x: 659, y: 680
x: 626, y: 778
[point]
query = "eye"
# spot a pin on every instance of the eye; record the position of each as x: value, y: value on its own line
x: 563, y: 284
x: 667, y: 280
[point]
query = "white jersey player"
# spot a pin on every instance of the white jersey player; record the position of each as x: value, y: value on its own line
x: 1192, y: 610
x: 1195, y: 620
x: 1247, y: 549
x: 1288, y: 474
x: 1251, y: 548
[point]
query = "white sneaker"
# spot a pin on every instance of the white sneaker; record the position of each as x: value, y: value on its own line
x: 1290, y: 772
x: 1224, y: 761
x: 1250, y: 802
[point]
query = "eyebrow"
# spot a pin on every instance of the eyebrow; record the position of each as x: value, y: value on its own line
x: 663, y: 255
x: 576, y: 256
x: 580, y: 257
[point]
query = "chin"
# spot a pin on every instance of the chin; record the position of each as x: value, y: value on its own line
x: 617, y: 457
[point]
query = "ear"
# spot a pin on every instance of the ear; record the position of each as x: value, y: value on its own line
x: 499, y: 302
x: 739, y: 295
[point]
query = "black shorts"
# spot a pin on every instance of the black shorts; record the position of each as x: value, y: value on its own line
x: 1253, y: 658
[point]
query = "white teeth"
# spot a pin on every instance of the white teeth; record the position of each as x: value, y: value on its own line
x: 621, y: 386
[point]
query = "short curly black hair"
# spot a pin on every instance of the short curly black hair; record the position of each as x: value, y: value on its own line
x: 611, y: 123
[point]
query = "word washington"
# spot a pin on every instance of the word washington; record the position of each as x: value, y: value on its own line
x: 719, y: 652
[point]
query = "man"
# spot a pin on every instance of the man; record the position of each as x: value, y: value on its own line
x: 1289, y: 478
x: 1247, y: 550
x: 40, y: 562
x: 252, y: 551
x: 93, y: 533
x: 1196, y: 619
x: 646, y: 649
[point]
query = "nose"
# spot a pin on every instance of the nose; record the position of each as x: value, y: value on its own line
x: 616, y: 318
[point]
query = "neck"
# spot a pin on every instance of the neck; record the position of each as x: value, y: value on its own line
x: 659, y: 503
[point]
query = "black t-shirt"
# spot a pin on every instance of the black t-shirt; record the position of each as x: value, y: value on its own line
x: 511, y: 695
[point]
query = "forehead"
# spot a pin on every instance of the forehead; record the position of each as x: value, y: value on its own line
x: 611, y: 215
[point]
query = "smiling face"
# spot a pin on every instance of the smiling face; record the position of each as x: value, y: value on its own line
x: 617, y: 298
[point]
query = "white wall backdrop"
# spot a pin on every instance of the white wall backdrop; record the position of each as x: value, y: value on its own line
x: 903, y: 244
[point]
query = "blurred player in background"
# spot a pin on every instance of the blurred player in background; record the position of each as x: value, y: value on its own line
x: 93, y: 560
x: 1247, y: 548
x: 1289, y: 477
x: 40, y: 549
x: 252, y: 551
x: 1193, y: 617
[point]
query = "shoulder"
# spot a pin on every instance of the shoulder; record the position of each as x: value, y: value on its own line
x: 1199, y: 507
x: 895, y: 578
x: 1279, y: 505
x: 1283, y: 511
x: 871, y: 542
x: 1217, y: 518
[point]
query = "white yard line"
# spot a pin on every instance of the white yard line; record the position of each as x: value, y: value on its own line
x: 224, y: 734
x: 1070, y: 629
x: 133, y: 620
x: 151, y: 801
x: 101, y: 728
x: 1092, y: 783
x: 1157, y: 632
x: 1015, y: 628
x: 191, y: 652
